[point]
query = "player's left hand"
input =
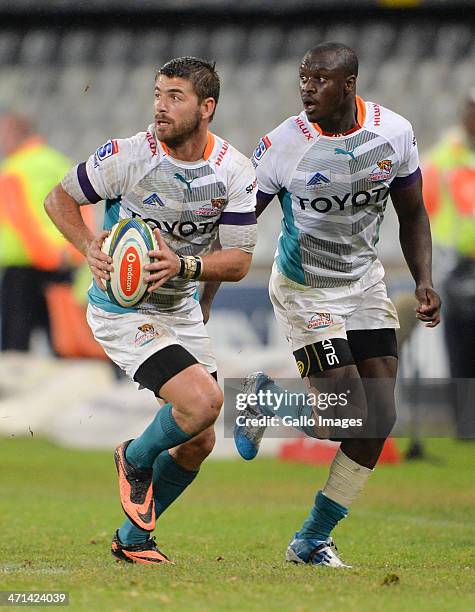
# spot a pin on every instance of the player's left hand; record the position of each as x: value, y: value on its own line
x: 165, y: 266
x: 429, y: 305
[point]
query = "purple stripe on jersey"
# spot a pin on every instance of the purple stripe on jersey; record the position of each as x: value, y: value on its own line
x: 401, y: 182
x: 235, y: 218
x: 264, y: 198
x: 86, y: 185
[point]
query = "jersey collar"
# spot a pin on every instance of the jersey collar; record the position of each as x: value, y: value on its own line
x: 360, y: 119
x: 206, y: 153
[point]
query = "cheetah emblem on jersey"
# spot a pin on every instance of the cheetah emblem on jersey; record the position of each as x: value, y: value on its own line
x: 385, y: 165
x: 382, y: 171
x: 218, y: 203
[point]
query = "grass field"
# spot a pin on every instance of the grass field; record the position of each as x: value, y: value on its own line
x: 410, y: 538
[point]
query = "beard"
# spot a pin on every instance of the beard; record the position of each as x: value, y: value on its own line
x: 182, y: 132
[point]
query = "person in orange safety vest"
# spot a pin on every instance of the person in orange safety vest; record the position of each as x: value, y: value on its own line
x: 32, y: 251
x: 449, y: 195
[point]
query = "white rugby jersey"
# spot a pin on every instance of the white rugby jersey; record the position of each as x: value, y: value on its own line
x: 187, y: 201
x: 333, y: 191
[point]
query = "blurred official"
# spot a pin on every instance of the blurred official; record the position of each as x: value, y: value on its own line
x: 449, y: 194
x: 32, y: 251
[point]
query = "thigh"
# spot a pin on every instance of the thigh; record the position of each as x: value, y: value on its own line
x: 375, y: 353
x: 373, y: 343
x: 192, y: 334
x: 361, y: 373
x: 378, y: 375
x: 379, y: 379
x: 191, y: 390
x: 189, y: 384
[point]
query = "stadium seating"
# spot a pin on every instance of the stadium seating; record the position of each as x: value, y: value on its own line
x: 71, y: 79
x: 84, y: 86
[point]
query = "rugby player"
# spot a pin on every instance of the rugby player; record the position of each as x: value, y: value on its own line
x: 192, y: 187
x: 333, y: 168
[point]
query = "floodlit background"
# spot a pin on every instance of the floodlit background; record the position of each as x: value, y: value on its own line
x: 84, y: 73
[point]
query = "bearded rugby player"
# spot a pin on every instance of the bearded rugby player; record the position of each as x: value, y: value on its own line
x: 192, y: 187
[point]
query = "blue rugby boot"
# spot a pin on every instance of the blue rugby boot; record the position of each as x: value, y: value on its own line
x: 247, y: 438
x: 314, y: 552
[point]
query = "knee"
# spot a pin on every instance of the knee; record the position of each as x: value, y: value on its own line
x: 207, y: 404
x: 365, y: 451
x: 389, y: 421
x: 360, y: 411
x: 213, y: 402
x: 383, y: 417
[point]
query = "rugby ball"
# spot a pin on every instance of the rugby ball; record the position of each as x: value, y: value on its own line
x: 128, y: 244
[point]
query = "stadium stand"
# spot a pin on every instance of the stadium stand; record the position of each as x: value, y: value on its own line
x: 70, y: 79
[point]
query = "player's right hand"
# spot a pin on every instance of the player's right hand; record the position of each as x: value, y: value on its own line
x: 429, y: 305
x: 99, y: 262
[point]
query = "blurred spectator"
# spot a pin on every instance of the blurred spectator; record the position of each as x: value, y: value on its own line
x: 32, y: 251
x: 449, y: 194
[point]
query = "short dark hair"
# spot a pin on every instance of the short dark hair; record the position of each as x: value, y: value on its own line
x: 347, y: 58
x: 201, y: 73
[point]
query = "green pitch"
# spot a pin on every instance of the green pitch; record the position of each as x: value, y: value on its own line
x: 410, y: 538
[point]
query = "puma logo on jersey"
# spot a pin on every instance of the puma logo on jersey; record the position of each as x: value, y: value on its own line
x: 182, y: 179
x: 345, y: 152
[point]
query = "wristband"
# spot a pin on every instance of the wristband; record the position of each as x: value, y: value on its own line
x: 190, y: 267
x: 182, y: 266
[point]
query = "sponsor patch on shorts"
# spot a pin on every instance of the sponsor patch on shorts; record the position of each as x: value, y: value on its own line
x: 146, y: 334
x: 320, y: 320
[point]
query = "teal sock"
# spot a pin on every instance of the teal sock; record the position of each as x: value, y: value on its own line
x: 296, y: 410
x: 169, y: 481
x: 162, y: 433
x: 323, y: 517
